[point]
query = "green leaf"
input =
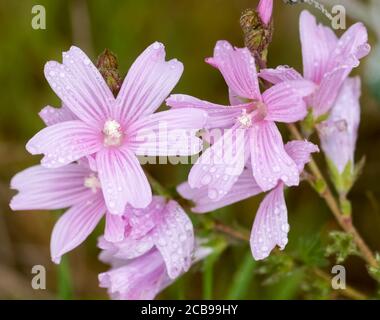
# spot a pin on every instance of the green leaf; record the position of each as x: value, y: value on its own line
x: 341, y: 246
x: 242, y: 278
x: 65, y: 286
x: 208, y: 267
x: 310, y: 252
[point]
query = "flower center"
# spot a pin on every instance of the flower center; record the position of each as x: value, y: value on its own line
x: 113, y: 135
x: 92, y: 182
x: 245, y: 119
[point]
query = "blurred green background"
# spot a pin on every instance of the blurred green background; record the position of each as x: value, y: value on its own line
x: 189, y: 29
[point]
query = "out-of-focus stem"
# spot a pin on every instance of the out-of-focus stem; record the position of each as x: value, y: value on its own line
x: 343, y: 220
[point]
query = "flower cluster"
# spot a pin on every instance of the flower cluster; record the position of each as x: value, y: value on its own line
x: 91, y: 143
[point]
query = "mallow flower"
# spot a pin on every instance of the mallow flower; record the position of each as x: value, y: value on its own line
x: 157, y: 248
x: 338, y: 134
x: 249, y: 124
x: 74, y: 186
x: 270, y: 227
x: 327, y: 60
x: 139, y: 278
x: 112, y: 132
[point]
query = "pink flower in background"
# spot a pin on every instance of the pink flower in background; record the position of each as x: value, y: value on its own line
x: 74, y: 186
x: 114, y: 131
x: 163, y: 225
x: 140, y: 278
x: 339, y: 133
x: 327, y: 60
x: 250, y: 123
x: 271, y: 223
x: 265, y: 8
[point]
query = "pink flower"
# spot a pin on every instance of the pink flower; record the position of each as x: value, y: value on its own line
x: 250, y: 123
x: 163, y: 225
x: 141, y: 278
x: 339, y: 133
x: 74, y: 186
x: 271, y: 223
x: 265, y: 8
x: 327, y: 60
x: 115, y: 131
x: 158, y: 248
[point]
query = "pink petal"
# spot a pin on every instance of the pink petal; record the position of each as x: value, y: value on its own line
x: 140, y: 279
x: 219, y: 116
x: 285, y: 101
x: 324, y: 98
x: 352, y: 47
x: 317, y: 44
x: 300, y: 152
x: 79, y: 84
x: 123, y: 180
x: 238, y: 69
x: 271, y: 225
x: 339, y: 133
x: 270, y: 162
x: 220, y: 166
x: 63, y: 143
x: 142, y: 221
x: 174, y: 238
x: 42, y: 188
x: 115, y: 226
x: 244, y: 188
x: 148, y: 82
x: 280, y: 74
x: 51, y: 115
x: 265, y: 8
x: 74, y: 226
x: 168, y: 133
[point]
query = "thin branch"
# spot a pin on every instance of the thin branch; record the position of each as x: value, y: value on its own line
x: 344, y: 221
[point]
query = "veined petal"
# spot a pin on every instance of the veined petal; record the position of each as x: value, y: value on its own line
x: 317, y: 42
x: 220, y: 166
x: 324, y: 97
x: 339, y: 133
x: 80, y: 86
x: 74, y: 226
x: 219, y: 116
x: 42, y: 188
x: 280, y: 74
x: 51, y: 115
x: 244, y: 188
x: 115, y: 227
x: 271, y: 225
x: 270, y: 162
x: 285, y: 101
x: 168, y: 133
x: 238, y: 69
x: 174, y: 238
x: 64, y: 142
x: 148, y: 82
x: 123, y: 180
x: 300, y: 152
x: 140, y: 279
x: 351, y: 47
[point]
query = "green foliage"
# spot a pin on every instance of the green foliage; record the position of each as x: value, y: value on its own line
x: 315, y: 288
x: 341, y: 246
x: 242, y: 278
x: 375, y: 271
x: 275, y: 268
x: 218, y: 245
x: 310, y: 252
x: 65, y: 286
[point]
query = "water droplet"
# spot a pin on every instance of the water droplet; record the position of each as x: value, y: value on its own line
x: 206, y: 179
